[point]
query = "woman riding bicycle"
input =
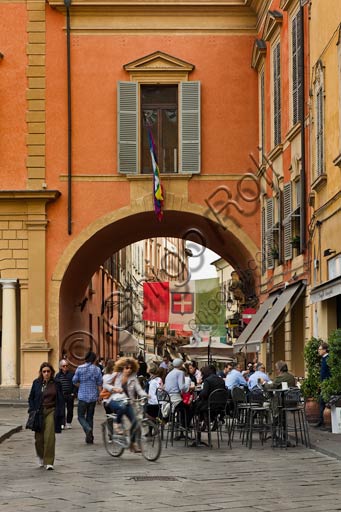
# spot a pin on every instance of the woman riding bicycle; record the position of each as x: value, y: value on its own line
x: 123, y: 384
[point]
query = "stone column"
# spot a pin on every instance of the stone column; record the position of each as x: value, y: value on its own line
x: 9, y: 334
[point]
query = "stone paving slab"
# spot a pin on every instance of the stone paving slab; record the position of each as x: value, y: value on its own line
x: 86, y: 478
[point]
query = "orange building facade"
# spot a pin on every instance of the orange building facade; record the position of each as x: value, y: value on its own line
x: 75, y: 185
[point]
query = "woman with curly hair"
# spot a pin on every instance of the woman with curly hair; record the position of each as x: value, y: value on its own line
x: 124, y: 384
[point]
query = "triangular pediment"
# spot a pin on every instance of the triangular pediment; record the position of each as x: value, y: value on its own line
x: 158, y: 61
x: 273, y: 21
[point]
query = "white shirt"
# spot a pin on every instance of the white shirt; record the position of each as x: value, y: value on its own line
x: 154, y: 384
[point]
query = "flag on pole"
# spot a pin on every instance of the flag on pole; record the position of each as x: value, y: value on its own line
x: 157, y: 186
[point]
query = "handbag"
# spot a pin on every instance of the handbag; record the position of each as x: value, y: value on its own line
x: 35, y: 420
x: 187, y: 397
x: 104, y: 394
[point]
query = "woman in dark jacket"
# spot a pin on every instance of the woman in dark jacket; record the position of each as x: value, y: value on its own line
x: 46, y: 395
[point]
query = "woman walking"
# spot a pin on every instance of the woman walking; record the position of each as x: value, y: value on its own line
x: 46, y: 396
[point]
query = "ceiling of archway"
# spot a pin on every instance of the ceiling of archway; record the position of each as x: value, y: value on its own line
x: 124, y: 232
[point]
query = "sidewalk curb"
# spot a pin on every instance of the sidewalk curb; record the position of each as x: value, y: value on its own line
x: 10, y: 432
x: 325, y: 452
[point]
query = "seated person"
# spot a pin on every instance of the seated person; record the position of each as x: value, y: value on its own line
x: 211, y: 382
x: 282, y: 376
x: 258, y: 377
x: 234, y: 378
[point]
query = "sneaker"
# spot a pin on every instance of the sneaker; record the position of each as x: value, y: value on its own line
x: 40, y: 462
x: 49, y: 467
x: 63, y: 426
x: 68, y: 426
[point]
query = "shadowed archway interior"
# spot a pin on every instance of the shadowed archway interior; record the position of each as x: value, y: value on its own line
x: 128, y: 230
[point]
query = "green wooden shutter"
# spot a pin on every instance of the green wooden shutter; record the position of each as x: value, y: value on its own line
x: 319, y: 133
x: 263, y: 242
x: 190, y: 127
x: 287, y: 211
x: 296, y: 79
x: 127, y: 129
x: 269, y: 232
x: 277, y: 93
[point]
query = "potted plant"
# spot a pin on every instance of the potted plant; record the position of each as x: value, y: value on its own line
x: 332, y: 386
x: 311, y: 384
x: 275, y: 252
x: 295, y: 242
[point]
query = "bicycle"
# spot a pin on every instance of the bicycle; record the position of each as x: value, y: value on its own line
x: 146, y: 432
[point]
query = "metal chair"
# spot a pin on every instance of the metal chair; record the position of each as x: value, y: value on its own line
x: 292, y: 418
x: 217, y: 405
x: 240, y: 414
x: 170, y: 414
x: 259, y: 416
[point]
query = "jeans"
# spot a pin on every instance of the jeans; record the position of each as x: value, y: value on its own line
x: 86, y: 411
x: 120, y: 409
x: 69, y: 400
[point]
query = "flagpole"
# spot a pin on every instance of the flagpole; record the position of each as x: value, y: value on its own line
x: 209, y: 351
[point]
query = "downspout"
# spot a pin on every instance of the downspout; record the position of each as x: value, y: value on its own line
x: 303, y: 148
x: 67, y: 4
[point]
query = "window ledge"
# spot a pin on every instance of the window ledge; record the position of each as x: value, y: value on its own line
x: 295, y: 130
x: 275, y: 152
x: 337, y: 161
x: 164, y: 176
x: 320, y: 182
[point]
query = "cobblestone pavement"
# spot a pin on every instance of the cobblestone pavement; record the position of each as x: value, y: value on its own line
x: 187, y: 479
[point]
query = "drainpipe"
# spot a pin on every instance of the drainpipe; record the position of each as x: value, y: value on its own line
x: 303, y: 159
x: 67, y: 4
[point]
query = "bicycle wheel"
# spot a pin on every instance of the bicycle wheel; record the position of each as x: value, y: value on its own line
x: 114, y: 448
x: 150, y: 440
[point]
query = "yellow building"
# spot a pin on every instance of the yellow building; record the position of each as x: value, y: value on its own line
x: 325, y: 197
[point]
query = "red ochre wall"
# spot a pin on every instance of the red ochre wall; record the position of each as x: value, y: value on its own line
x: 13, y: 85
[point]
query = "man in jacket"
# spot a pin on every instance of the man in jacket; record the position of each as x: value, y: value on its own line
x: 65, y: 377
x: 324, y: 374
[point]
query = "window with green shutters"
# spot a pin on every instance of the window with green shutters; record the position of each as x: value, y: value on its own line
x: 269, y: 232
x: 173, y: 112
x: 319, y: 133
x: 287, y: 220
x: 296, y: 46
x: 263, y: 241
x: 276, y: 94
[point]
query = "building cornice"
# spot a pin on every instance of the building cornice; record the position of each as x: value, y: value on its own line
x: 29, y: 195
x: 152, y: 16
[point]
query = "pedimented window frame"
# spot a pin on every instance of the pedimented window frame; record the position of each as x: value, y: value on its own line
x: 161, y: 68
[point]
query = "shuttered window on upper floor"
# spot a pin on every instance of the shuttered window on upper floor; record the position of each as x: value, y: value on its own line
x: 263, y: 241
x: 287, y: 220
x: 319, y: 132
x: 277, y: 94
x: 296, y: 48
x: 262, y: 112
x: 175, y: 123
x: 269, y: 232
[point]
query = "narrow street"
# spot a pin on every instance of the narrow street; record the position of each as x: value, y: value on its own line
x: 86, y: 478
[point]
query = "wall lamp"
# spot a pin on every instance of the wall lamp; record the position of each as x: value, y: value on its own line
x: 328, y: 252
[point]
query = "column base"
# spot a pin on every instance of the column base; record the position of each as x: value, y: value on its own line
x: 11, y: 393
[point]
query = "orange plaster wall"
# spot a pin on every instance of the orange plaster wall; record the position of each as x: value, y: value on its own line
x: 13, y: 84
x: 229, y: 115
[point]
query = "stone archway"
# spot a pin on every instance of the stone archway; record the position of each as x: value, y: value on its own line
x: 124, y: 226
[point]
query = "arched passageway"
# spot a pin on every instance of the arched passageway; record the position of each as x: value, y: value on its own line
x: 85, y: 254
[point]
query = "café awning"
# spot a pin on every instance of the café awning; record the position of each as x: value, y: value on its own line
x: 127, y: 342
x: 252, y: 326
x: 269, y: 314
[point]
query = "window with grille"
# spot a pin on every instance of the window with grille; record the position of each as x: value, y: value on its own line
x: 296, y: 47
x: 277, y: 93
x: 263, y: 241
x: 319, y: 132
